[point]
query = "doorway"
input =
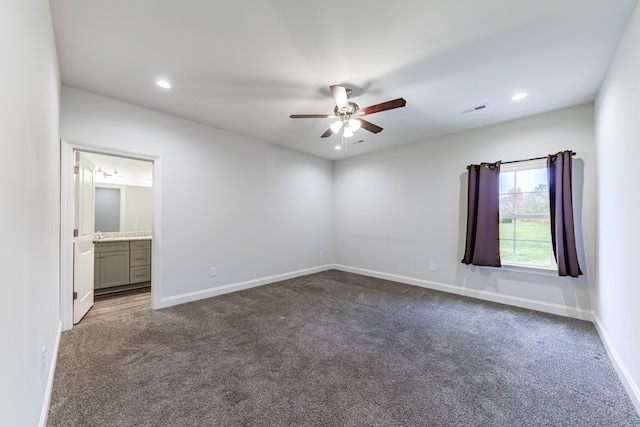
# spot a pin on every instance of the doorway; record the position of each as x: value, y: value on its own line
x: 123, y: 224
x: 133, y: 176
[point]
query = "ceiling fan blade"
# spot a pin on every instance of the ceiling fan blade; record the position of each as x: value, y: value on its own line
x: 369, y: 126
x: 328, y: 133
x: 389, y: 105
x: 311, y: 116
x: 340, y: 96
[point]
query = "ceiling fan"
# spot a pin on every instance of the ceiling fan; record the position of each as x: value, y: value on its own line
x: 349, y: 114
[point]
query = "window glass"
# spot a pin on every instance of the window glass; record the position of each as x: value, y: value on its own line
x: 525, y: 232
x: 506, y: 181
x: 507, y: 251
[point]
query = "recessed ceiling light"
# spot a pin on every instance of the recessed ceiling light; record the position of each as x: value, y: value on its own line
x: 338, y: 147
x: 164, y: 84
x: 518, y: 96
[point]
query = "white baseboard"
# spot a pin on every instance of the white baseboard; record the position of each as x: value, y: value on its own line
x: 212, y: 292
x: 530, y: 304
x: 46, y: 402
x: 627, y: 381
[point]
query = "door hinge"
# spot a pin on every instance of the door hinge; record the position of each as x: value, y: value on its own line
x: 76, y: 170
x: 75, y: 232
x: 75, y: 296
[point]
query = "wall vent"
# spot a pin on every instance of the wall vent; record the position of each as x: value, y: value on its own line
x: 476, y: 108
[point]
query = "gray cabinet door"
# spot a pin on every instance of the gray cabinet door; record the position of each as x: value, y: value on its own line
x: 114, y: 269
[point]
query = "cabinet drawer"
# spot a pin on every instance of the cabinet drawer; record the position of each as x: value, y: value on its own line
x: 111, y: 246
x: 140, y: 257
x: 140, y: 244
x: 140, y: 274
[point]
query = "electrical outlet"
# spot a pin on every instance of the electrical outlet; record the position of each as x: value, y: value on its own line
x: 320, y: 254
x: 213, y: 272
x: 432, y: 266
x: 44, y: 357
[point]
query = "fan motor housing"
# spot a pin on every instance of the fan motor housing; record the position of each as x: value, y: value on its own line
x: 352, y: 110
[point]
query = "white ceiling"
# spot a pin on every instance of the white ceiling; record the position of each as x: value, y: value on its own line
x: 245, y: 66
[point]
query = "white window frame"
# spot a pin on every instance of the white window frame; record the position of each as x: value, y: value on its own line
x: 523, y: 166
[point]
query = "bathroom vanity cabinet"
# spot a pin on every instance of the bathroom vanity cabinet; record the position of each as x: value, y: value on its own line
x: 120, y: 263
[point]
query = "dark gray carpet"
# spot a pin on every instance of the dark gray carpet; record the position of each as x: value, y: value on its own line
x: 337, y: 349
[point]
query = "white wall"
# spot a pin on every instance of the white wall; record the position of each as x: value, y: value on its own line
x: 30, y: 213
x: 398, y: 210
x: 618, y: 151
x: 248, y: 208
x: 138, y: 208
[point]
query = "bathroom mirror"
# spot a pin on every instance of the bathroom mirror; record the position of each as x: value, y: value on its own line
x: 123, y: 208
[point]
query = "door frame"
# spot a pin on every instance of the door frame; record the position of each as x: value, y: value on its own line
x: 67, y: 222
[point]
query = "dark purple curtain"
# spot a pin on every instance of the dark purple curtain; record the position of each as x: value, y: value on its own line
x: 483, y: 216
x: 561, y: 210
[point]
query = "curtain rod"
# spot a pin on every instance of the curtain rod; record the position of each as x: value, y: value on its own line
x: 573, y: 153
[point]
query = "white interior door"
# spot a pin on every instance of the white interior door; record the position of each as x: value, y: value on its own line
x: 83, y: 249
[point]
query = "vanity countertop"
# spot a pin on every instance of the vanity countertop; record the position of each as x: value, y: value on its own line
x: 121, y: 236
x: 120, y: 239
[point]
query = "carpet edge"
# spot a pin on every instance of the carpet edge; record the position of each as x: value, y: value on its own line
x: 557, y: 309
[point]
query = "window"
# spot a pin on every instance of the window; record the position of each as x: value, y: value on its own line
x: 525, y: 233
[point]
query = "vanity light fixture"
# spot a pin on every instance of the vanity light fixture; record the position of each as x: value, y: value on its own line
x: 104, y: 174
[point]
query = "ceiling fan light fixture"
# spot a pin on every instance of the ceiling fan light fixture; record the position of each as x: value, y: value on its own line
x: 347, y: 113
x: 336, y: 126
